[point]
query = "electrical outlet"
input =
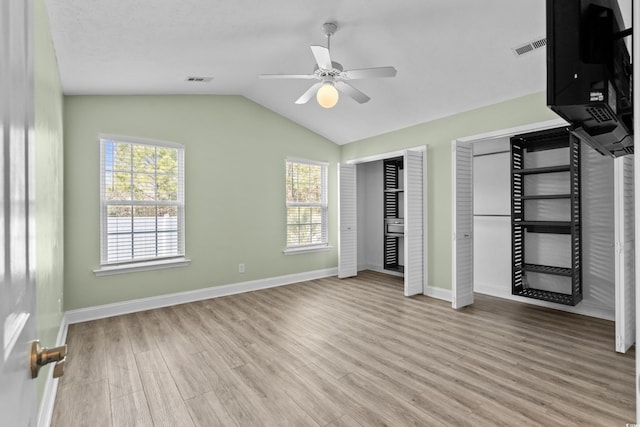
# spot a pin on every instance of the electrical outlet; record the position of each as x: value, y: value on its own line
x: 240, y: 268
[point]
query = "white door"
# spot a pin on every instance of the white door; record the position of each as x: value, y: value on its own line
x: 624, y: 253
x: 347, y: 220
x: 414, y: 256
x: 17, y: 240
x: 462, y: 224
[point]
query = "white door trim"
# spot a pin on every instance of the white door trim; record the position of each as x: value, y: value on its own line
x: 533, y: 127
x: 382, y: 156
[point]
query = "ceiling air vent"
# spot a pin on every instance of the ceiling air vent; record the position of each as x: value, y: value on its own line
x: 197, y: 79
x: 530, y: 46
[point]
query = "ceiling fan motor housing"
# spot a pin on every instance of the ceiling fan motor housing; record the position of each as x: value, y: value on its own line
x: 329, y: 28
x: 333, y: 72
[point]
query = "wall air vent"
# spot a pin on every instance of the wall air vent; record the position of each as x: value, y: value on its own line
x: 197, y: 79
x: 530, y: 46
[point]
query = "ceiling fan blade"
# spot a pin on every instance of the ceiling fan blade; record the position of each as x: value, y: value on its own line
x: 366, y: 73
x: 321, y: 54
x: 351, y: 91
x: 287, y: 76
x: 309, y: 93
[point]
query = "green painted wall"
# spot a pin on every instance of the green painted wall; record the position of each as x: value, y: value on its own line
x: 235, y: 151
x: 438, y: 135
x: 235, y: 208
x: 49, y: 186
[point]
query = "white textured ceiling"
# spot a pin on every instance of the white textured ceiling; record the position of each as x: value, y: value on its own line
x: 451, y: 55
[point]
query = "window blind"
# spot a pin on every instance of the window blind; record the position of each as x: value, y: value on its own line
x: 141, y: 200
x: 306, y: 199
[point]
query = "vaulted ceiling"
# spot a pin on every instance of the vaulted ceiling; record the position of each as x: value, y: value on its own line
x: 450, y: 55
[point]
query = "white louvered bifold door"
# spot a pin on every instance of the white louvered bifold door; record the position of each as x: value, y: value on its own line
x: 462, y: 224
x: 347, y: 220
x: 413, y: 223
x: 624, y: 253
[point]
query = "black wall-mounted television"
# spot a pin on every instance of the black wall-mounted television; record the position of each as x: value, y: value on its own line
x: 589, y: 72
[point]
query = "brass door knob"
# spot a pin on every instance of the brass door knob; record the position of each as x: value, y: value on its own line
x: 41, y: 356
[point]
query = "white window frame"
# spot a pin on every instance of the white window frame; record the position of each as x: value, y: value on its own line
x: 148, y: 263
x: 324, y: 205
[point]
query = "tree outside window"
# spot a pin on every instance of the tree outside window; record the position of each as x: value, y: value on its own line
x: 142, y: 200
x: 306, y: 196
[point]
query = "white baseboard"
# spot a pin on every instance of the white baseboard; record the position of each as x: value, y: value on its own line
x: 51, y: 386
x: 142, y: 304
x: 430, y: 291
x: 586, y: 308
x: 439, y: 293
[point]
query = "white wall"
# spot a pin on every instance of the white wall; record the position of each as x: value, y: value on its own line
x: 370, y: 216
x: 492, y: 234
x: 492, y: 220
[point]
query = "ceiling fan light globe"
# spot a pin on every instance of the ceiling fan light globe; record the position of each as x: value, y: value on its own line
x: 327, y: 96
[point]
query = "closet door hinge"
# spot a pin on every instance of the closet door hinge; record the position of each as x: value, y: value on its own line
x: 618, y: 248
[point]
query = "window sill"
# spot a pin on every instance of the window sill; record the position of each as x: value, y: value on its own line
x: 133, y: 267
x: 306, y: 249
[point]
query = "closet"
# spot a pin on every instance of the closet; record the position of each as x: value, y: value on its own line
x: 551, y: 236
x: 381, y: 209
x: 385, y: 230
x: 562, y: 187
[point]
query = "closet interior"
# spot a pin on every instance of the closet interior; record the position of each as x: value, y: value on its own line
x: 381, y: 215
x: 546, y: 216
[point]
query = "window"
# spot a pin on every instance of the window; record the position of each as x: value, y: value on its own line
x: 306, y: 188
x: 141, y: 201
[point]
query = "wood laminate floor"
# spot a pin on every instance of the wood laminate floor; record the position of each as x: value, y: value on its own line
x: 351, y: 352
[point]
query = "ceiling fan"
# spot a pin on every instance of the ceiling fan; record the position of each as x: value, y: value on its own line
x: 332, y: 76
